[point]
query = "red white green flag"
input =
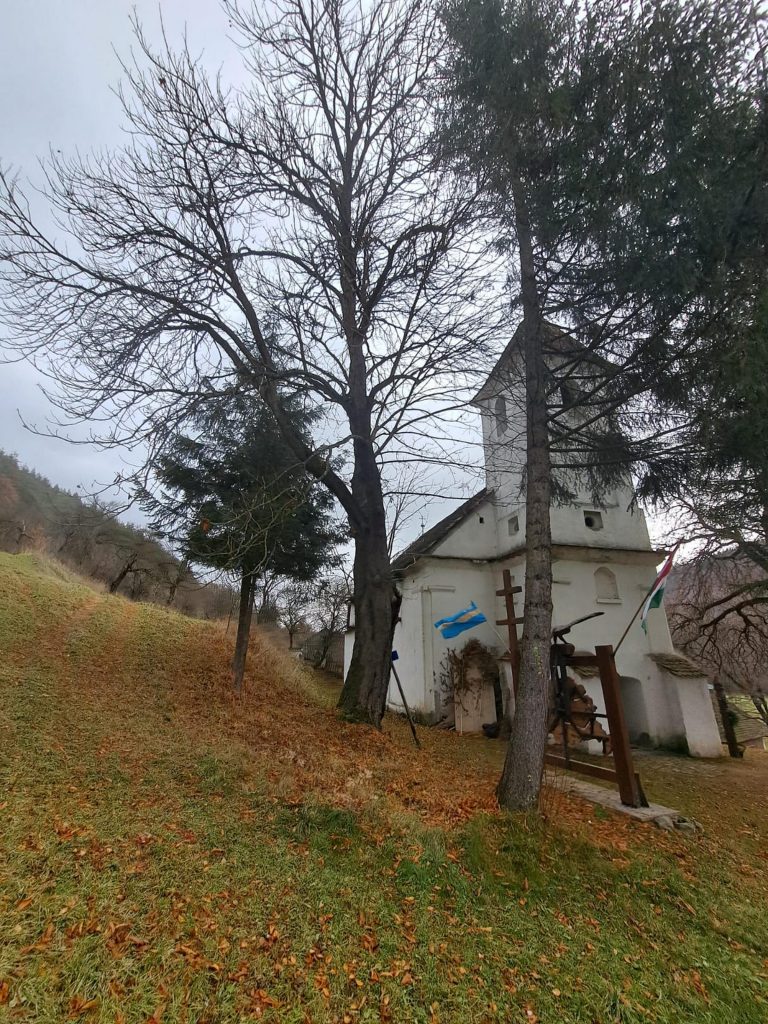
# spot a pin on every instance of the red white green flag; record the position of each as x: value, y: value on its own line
x: 656, y: 593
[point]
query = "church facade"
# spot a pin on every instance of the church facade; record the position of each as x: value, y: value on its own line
x: 603, y: 561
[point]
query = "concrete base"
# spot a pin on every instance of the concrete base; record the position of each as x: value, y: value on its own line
x: 610, y: 799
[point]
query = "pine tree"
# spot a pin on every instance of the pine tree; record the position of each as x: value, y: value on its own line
x: 232, y: 495
x: 604, y: 137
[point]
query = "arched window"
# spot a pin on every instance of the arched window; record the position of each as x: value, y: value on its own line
x: 500, y: 412
x: 606, y: 588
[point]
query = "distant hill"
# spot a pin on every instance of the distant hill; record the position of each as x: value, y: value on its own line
x: 37, y: 516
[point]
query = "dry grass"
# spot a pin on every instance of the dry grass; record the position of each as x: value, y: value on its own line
x: 172, y: 854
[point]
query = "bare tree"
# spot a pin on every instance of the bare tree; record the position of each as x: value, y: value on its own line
x: 296, y: 236
x: 293, y: 604
x: 718, y: 613
x: 332, y: 598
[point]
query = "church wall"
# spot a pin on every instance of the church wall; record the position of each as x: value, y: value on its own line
x: 438, y: 588
x: 474, y: 538
x: 620, y: 528
x: 661, y: 709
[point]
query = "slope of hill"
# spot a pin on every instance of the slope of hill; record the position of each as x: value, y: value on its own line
x: 169, y: 854
x: 35, y: 515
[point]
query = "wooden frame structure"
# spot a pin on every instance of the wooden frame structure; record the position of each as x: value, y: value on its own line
x: 623, y: 773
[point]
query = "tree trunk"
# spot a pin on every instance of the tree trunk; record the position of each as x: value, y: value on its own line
x: 244, y: 616
x: 761, y: 705
x: 519, y: 786
x: 376, y: 600
x: 174, y: 584
x: 121, y: 576
x: 726, y: 718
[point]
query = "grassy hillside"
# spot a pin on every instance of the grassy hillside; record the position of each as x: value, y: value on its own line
x: 36, y: 516
x: 169, y: 855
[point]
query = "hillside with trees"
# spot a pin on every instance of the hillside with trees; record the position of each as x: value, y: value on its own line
x: 172, y: 855
x: 87, y: 536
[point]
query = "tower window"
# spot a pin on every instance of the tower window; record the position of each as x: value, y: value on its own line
x: 593, y: 520
x: 500, y: 412
x: 606, y: 587
x: 513, y: 525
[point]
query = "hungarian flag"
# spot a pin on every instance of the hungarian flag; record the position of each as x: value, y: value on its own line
x: 656, y: 592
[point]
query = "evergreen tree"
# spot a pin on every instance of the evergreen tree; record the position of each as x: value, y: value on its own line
x: 233, y: 496
x: 607, y: 138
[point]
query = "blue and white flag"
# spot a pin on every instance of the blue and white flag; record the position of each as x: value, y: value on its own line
x: 452, y: 625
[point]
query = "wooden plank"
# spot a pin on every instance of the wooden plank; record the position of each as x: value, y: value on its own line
x: 631, y: 794
x: 596, y: 771
x: 508, y: 593
x: 505, y: 622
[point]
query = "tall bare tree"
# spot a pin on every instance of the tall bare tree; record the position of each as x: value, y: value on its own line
x: 718, y: 614
x: 296, y: 234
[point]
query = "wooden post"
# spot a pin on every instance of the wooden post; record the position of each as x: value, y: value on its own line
x: 405, y: 702
x: 629, y: 790
x: 511, y: 622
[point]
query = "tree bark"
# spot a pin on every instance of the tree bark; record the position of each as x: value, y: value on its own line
x: 121, y: 575
x: 725, y: 717
x: 244, y: 617
x: 761, y: 705
x: 377, y: 601
x: 519, y: 786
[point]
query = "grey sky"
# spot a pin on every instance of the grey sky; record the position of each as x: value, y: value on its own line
x: 59, y: 64
x: 58, y: 67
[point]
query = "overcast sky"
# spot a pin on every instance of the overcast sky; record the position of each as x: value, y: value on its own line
x: 58, y: 66
x: 59, y: 62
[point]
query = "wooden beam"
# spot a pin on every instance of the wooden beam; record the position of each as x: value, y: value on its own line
x: 508, y: 593
x: 629, y: 790
x: 597, y: 771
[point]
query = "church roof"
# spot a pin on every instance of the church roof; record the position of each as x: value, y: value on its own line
x: 429, y: 540
x: 558, y: 340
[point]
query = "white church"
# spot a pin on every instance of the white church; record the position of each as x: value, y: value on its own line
x: 603, y: 561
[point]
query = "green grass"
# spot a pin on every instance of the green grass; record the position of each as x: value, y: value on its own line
x: 157, y: 867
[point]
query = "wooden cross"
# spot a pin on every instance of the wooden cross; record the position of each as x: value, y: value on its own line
x: 511, y: 622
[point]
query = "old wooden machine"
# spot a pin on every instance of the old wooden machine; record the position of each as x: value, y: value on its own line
x: 573, y: 715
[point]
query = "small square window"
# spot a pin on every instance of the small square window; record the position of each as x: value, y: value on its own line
x: 593, y: 520
x: 513, y: 525
x: 481, y: 518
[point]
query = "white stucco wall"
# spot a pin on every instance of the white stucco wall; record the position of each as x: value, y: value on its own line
x: 467, y: 566
x: 440, y: 588
x: 474, y: 538
x: 659, y: 707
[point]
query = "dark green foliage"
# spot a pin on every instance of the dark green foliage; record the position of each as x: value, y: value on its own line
x: 234, y: 497
x: 637, y: 139
x: 614, y: 145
